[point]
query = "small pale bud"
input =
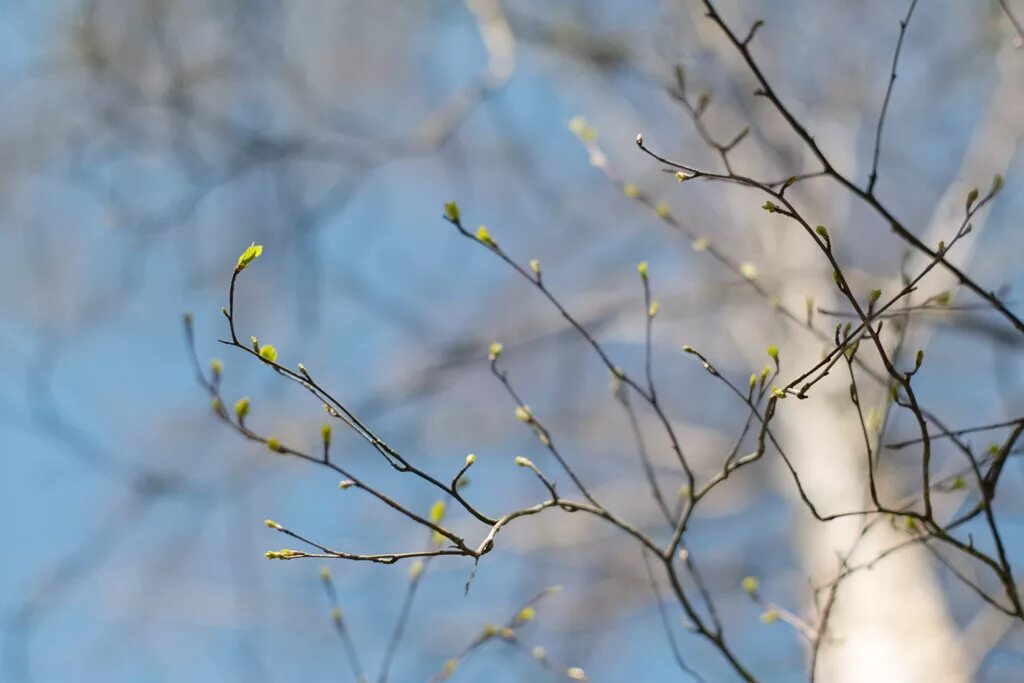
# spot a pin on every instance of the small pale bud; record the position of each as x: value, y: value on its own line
x: 873, y: 421
x: 773, y: 353
x: 337, y: 615
x: 700, y: 244
x: 526, y: 614
x: 494, y: 351
x: 470, y: 459
x: 523, y: 414
x: 325, y: 433
x: 640, y: 139
x: 535, y: 266
x: 662, y: 211
x: 770, y: 616
x: 272, y: 524
x: 437, y: 511
x: 748, y: 270
x: 631, y: 190
x: 653, y: 309
x: 242, y: 407
x: 576, y: 673
x: 642, y: 269
x: 749, y: 584
x: 346, y: 484
x: 523, y: 461
x: 217, y: 367
x: 325, y: 574
x: 274, y: 444
x: 268, y: 353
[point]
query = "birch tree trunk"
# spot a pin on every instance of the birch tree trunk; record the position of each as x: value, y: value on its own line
x: 890, y: 623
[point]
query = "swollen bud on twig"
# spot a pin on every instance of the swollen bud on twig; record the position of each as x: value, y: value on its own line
x: 773, y: 353
x: 274, y: 444
x: 631, y: 190
x: 268, y: 353
x: 523, y: 461
x: 272, y: 524
x: 642, y: 269
x: 526, y: 614
x: 325, y: 434
x: 217, y: 367
x: 483, y: 235
x: 703, y: 100
x: 451, y: 212
x: 972, y: 197
x: 749, y: 584
x: 242, y: 408
x: 251, y: 253
x: 494, y: 351
x: 535, y: 267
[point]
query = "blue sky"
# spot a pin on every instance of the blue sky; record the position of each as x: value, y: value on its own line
x: 98, y: 262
